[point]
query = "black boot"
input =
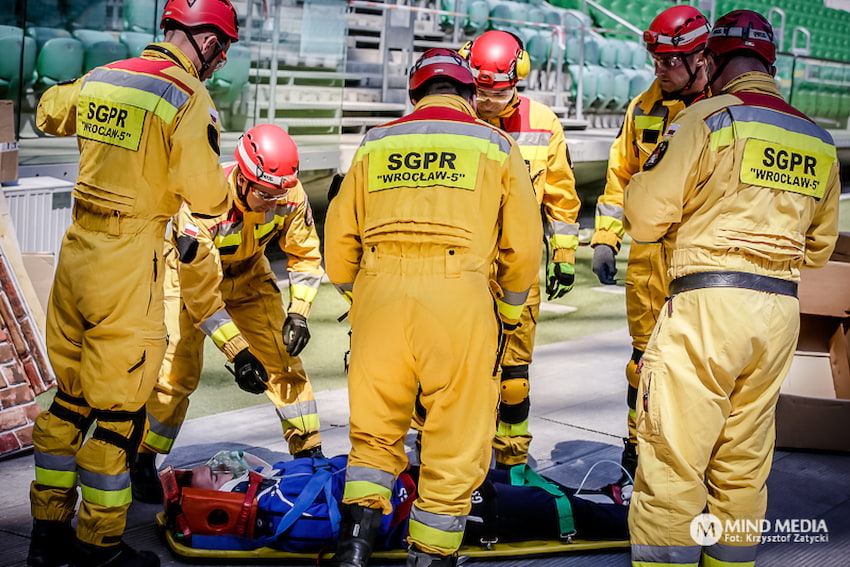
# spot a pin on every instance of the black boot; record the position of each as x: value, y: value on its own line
x: 629, y: 460
x: 51, y: 543
x: 311, y: 453
x: 121, y: 555
x: 145, y: 479
x: 357, y: 532
x: 416, y: 558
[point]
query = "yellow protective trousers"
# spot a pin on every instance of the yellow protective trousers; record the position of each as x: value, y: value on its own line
x: 253, y: 300
x: 422, y: 317
x: 512, y: 435
x: 646, y: 292
x: 105, y: 340
x: 706, y: 411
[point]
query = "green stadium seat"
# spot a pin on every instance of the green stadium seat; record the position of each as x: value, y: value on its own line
x: 60, y: 59
x: 539, y: 47
x: 135, y: 41
x: 84, y: 14
x: 90, y: 37
x: 103, y: 52
x: 42, y: 34
x: 477, y: 17
x: 589, y: 79
x: 141, y: 15
x: 10, y: 30
x: 572, y: 50
x: 574, y: 19
x: 640, y: 81
x: 12, y: 76
x: 620, y: 90
x: 228, y: 85
x: 604, y: 87
x: 607, y: 52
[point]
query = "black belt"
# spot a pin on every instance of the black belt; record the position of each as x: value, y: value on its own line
x: 743, y: 280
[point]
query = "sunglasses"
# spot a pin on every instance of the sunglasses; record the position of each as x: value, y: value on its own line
x: 268, y: 196
x: 668, y: 62
x: 495, y: 95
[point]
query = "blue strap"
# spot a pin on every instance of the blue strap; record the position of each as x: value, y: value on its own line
x: 312, y: 489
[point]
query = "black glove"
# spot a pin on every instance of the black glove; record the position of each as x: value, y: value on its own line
x: 560, y: 278
x: 296, y: 335
x: 249, y: 373
x: 604, y: 265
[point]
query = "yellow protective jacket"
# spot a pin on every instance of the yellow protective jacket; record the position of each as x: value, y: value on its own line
x: 540, y: 136
x: 227, y: 244
x: 646, y: 120
x: 440, y: 176
x: 746, y: 183
x: 148, y: 134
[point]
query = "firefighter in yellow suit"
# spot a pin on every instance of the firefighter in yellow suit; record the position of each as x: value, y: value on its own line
x: 430, y: 203
x: 498, y: 61
x: 745, y: 193
x: 148, y: 138
x: 675, y: 39
x: 227, y: 291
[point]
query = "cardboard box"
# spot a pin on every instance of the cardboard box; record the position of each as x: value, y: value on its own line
x: 814, y: 402
x: 8, y: 144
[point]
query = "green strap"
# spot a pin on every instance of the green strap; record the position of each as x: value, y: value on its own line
x: 523, y: 475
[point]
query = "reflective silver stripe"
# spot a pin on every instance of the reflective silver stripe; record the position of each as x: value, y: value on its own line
x: 107, y: 482
x: 442, y: 522
x: 685, y: 37
x: 366, y: 474
x: 613, y: 211
x: 774, y: 117
x: 167, y: 431
x: 300, y: 278
x: 531, y: 138
x: 563, y: 228
x: 718, y: 121
x: 294, y: 411
x: 162, y: 88
x: 215, y: 322
x: 745, y: 33
x: 226, y: 228
x: 439, y: 127
x: 51, y: 462
x: 731, y: 553
x: 514, y: 297
x: 669, y: 554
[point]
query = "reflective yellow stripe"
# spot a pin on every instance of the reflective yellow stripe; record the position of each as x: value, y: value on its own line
x: 228, y: 240
x: 59, y: 479
x: 432, y: 536
x: 649, y: 123
x: 653, y: 564
x: 224, y: 334
x: 512, y: 429
x: 363, y: 488
x: 769, y: 132
x: 534, y: 153
x: 611, y: 224
x: 129, y: 95
x: 563, y: 241
x: 304, y: 423
x: 509, y: 311
x: 302, y: 292
x: 107, y: 498
x: 159, y: 442
x: 261, y: 230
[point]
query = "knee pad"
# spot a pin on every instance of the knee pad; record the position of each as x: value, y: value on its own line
x: 514, y: 405
x: 80, y: 420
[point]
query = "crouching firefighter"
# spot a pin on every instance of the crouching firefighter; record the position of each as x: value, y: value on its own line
x: 227, y: 291
x: 428, y: 204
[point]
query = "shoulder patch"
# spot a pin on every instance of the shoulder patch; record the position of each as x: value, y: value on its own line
x: 671, y: 129
x: 656, y: 156
x: 213, y: 115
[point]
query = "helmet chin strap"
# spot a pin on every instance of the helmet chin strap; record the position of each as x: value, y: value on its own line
x: 714, y: 75
x: 205, y: 62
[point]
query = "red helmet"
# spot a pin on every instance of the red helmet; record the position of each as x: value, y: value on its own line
x: 679, y: 29
x: 268, y: 156
x: 743, y: 30
x: 439, y: 62
x: 498, y: 59
x: 190, y: 14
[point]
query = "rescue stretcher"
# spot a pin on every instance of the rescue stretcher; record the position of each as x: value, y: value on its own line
x: 189, y: 510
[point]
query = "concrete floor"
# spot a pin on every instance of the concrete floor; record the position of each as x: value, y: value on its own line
x: 578, y: 418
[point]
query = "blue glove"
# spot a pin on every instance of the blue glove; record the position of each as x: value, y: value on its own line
x: 560, y: 277
x: 604, y: 264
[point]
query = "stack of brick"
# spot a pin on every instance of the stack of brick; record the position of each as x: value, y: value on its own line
x: 24, y: 370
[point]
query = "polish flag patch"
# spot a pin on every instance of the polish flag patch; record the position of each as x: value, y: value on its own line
x: 671, y: 130
x: 190, y: 230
